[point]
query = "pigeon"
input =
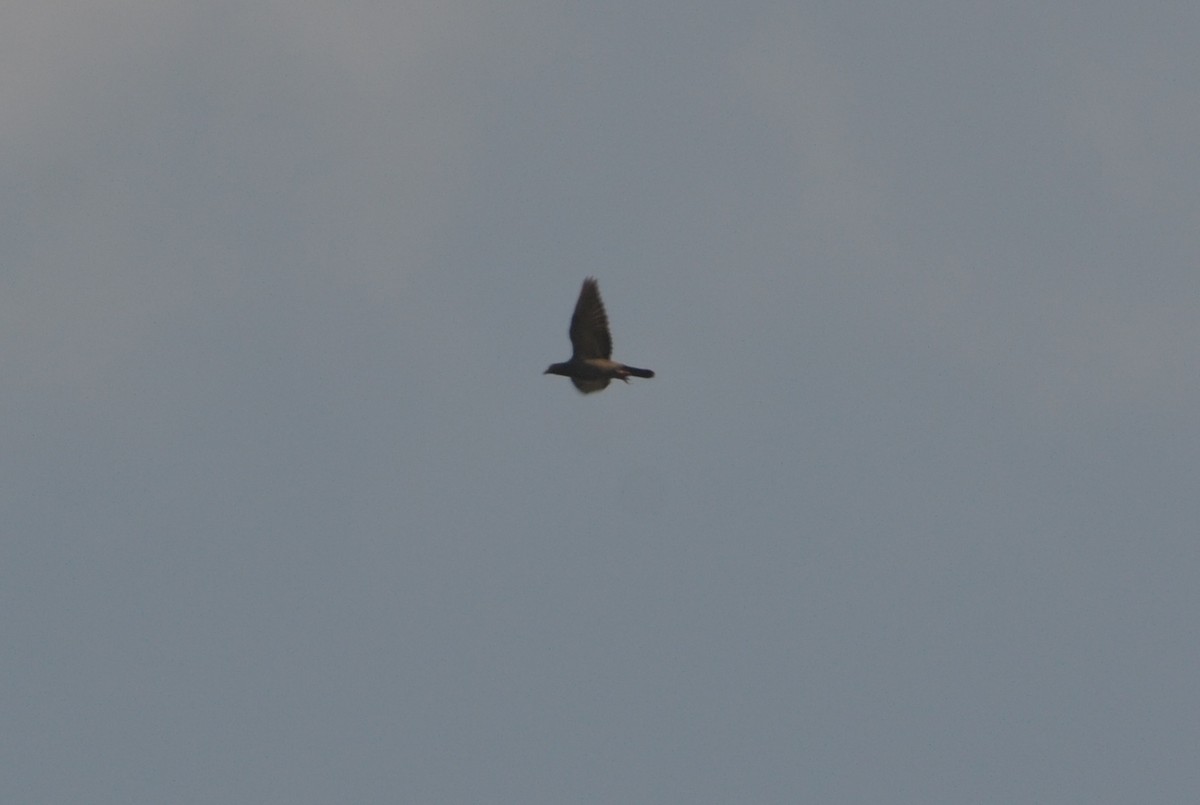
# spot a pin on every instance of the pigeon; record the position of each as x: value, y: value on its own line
x: 591, y: 366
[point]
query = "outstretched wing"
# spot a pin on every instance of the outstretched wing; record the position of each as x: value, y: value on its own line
x: 589, y: 326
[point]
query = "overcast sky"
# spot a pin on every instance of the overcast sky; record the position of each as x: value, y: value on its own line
x: 291, y: 515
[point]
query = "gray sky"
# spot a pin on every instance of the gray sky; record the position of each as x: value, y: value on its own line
x: 290, y: 514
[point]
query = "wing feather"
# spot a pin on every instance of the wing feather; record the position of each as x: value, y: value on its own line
x: 589, y: 333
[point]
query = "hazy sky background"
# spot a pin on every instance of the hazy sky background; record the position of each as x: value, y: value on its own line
x: 290, y: 514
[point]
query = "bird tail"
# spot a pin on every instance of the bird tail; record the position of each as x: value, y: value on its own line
x: 636, y: 372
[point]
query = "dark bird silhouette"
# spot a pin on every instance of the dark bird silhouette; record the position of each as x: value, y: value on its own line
x: 591, y: 366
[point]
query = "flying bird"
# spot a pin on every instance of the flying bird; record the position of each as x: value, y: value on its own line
x: 591, y: 366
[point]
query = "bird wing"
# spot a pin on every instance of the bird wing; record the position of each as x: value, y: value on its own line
x: 589, y: 326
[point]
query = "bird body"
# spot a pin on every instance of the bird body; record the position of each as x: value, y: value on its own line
x: 591, y: 367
